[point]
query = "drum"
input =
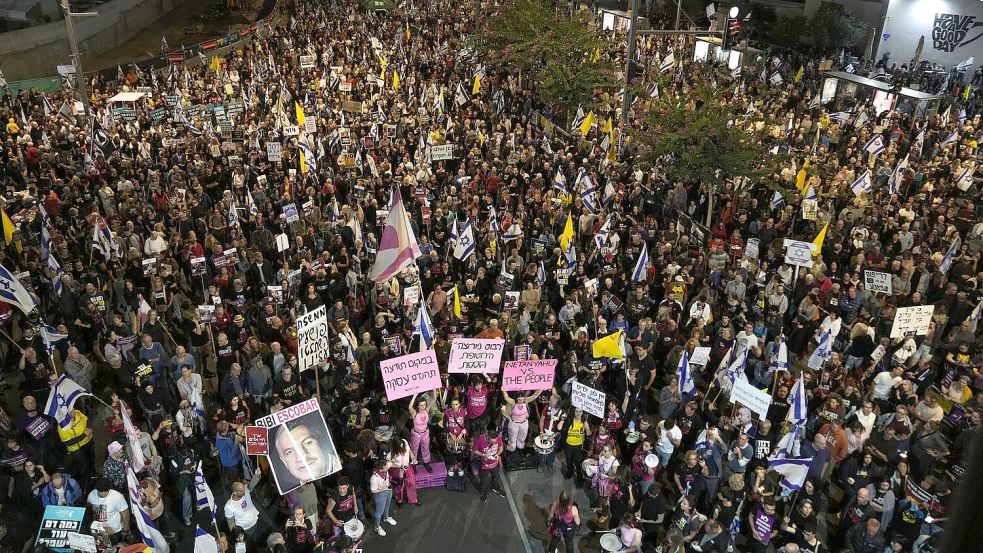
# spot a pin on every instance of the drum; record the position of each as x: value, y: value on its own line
x: 633, y: 437
x: 456, y: 446
x: 354, y: 529
x: 651, y: 460
x: 383, y: 434
x: 610, y: 542
x: 544, y: 445
x: 590, y: 467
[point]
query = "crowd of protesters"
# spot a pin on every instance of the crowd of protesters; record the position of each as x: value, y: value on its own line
x: 151, y: 244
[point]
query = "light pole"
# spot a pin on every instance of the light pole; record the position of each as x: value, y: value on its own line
x: 632, y: 34
x: 76, y: 58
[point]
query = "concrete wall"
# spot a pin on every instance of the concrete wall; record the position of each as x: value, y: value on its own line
x: 953, y: 31
x: 36, y: 51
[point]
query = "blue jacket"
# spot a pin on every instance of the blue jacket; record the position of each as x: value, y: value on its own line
x: 228, y: 450
x: 73, y: 492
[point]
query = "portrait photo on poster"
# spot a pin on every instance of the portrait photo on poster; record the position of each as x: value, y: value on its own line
x: 300, y: 446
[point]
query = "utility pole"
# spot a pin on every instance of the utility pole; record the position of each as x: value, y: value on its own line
x: 76, y: 58
x: 632, y: 35
x: 679, y: 14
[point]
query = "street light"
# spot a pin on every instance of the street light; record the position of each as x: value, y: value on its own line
x: 76, y: 58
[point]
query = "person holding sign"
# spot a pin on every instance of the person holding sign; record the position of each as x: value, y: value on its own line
x: 420, y: 433
x: 517, y: 413
x: 573, y: 446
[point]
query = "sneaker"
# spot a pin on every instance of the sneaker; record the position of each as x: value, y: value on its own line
x: 540, y: 468
x: 550, y: 469
x: 484, y: 497
x: 499, y: 492
x: 380, y: 531
x: 391, y: 521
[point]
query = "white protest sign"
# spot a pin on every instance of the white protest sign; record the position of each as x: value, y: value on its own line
x: 877, y: 282
x: 750, y: 397
x: 82, y: 542
x: 313, y: 344
x: 411, y: 295
x: 274, y: 151
x: 291, y: 130
x: 282, y: 242
x: 701, y: 356
x: 442, y: 152
x: 310, y: 125
x: 912, y: 319
x: 752, y: 249
x: 584, y: 397
x: 307, y: 62
x: 798, y: 253
x: 475, y: 355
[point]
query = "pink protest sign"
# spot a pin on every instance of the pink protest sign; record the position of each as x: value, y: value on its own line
x: 535, y: 374
x: 410, y: 374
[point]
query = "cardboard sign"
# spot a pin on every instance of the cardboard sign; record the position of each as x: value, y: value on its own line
x: 810, y: 209
x: 313, y: 344
x: 410, y: 374
x: 750, y: 397
x: 912, y: 319
x: 588, y: 399
x: 798, y: 253
x: 291, y: 130
x: 701, y: 356
x: 310, y: 125
x: 199, y: 266
x: 56, y: 524
x: 537, y: 374
x: 475, y: 355
x: 442, y: 152
x: 257, y: 440
x: 411, y: 295
x: 300, y: 445
x: 877, y: 282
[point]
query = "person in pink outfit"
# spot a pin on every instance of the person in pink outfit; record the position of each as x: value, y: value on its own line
x: 455, y: 425
x: 517, y: 412
x: 477, y: 395
x: 402, y: 475
x: 420, y: 433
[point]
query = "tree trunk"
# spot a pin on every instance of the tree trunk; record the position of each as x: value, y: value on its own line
x: 709, y: 206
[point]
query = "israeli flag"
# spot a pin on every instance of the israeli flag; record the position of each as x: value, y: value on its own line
x: 197, y: 405
x: 493, y: 221
x: 965, y: 179
x: 560, y: 182
x: 203, y: 494
x: 822, y: 352
x: 667, y: 63
x: 424, y: 327
x: 862, y: 184
x: 898, y: 175
x: 965, y: 64
x: 875, y: 145
x: 14, y: 293
x: 951, y: 139
x: 779, y: 360
x: 149, y: 533
x: 638, y: 274
x: 465, y: 243
x: 919, y: 142
x: 512, y: 233
x: 541, y: 275
x: 793, y: 471
x: 962, y: 115
x: 974, y: 316
x: 810, y: 193
x: 736, y: 369
x: 686, y: 385
x: 62, y: 398
x: 798, y: 403
x: 777, y: 200
x: 50, y: 335
x: 950, y: 255
x: 205, y: 542
x: 233, y: 215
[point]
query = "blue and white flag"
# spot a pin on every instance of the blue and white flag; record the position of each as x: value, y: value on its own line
x: 974, y: 316
x: 667, y: 63
x: 862, y: 184
x: 423, y: 327
x: 205, y: 542
x: 14, y: 293
x: 541, y: 274
x: 965, y: 64
x: 950, y: 255
x: 465, y: 242
x: 204, y: 498
x: 560, y: 182
x: 822, y: 352
x: 62, y: 398
x: 50, y: 335
x: 965, y: 179
x: 197, y: 405
x: 777, y: 200
x: 513, y: 232
x: 146, y: 526
x: 736, y: 369
x: 962, y: 115
x: 898, y: 176
x: 779, y: 359
x: 798, y: 403
x: 493, y: 221
x: 686, y: 385
x: 810, y: 193
x: 875, y: 145
x: 233, y: 215
x: 793, y: 471
x: 919, y: 142
x: 951, y: 139
x: 638, y: 274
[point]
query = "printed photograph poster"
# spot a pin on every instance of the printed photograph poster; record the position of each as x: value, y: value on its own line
x: 588, y: 399
x: 300, y: 446
x: 475, y: 355
x: 410, y: 374
x: 531, y: 375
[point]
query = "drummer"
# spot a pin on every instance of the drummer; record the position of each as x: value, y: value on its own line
x: 629, y: 535
x: 607, y: 472
x: 342, y: 505
x: 552, y: 418
x: 456, y: 435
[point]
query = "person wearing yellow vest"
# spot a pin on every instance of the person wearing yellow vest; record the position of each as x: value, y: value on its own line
x: 77, y: 439
x: 573, y: 446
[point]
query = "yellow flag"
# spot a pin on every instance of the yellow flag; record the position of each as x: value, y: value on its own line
x: 8, y: 230
x: 395, y: 80
x: 596, y: 56
x: 800, y: 179
x: 477, y: 84
x: 608, y: 126
x: 818, y: 242
x: 589, y: 122
x: 609, y: 346
x: 457, y: 303
x: 303, y: 163
x: 799, y: 74
x: 216, y: 65
x: 966, y: 93
x: 407, y: 30
x: 382, y: 61
x: 300, y: 113
x: 567, y: 234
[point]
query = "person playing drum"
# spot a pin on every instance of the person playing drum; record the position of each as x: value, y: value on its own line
x: 517, y: 411
x: 551, y: 420
x: 630, y: 536
x: 607, y: 472
x: 456, y: 429
x: 342, y: 505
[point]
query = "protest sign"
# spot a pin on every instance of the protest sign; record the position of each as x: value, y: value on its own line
x: 58, y: 522
x: 535, y: 374
x: 442, y: 152
x: 521, y: 353
x: 282, y: 242
x: 257, y: 440
x: 82, y: 542
x: 313, y: 344
x: 798, y: 253
x: 912, y: 319
x: 750, y: 397
x: 590, y: 400
x: 300, y: 446
x: 290, y: 212
x: 752, y: 249
x: 877, y: 282
x: 701, y: 356
x: 274, y: 151
x: 475, y: 355
x: 410, y: 374
x: 307, y: 62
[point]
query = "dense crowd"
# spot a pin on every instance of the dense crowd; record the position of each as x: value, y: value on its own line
x: 149, y: 237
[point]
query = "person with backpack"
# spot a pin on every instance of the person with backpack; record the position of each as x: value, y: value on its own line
x: 562, y: 524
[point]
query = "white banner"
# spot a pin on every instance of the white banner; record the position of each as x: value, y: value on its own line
x: 877, y: 282
x: 442, y: 152
x: 313, y: 344
x: 587, y: 398
x: 912, y: 319
x: 750, y: 397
